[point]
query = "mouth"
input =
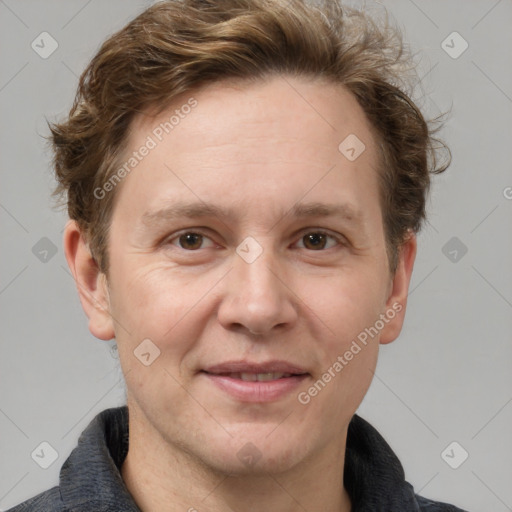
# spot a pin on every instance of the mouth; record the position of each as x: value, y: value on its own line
x: 251, y: 382
x: 256, y: 377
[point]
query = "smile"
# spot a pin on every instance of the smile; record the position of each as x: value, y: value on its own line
x: 256, y: 383
x: 256, y: 377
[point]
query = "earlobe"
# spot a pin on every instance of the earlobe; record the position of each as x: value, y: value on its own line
x: 90, y: 281
x: 397, y: 299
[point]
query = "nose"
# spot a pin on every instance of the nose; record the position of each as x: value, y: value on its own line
x: 258, y: 298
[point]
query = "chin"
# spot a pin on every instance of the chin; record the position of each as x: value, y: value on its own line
x: 255, y: 465
x: 256, y: 454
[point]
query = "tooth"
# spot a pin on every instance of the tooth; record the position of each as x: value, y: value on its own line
x: 259, y: 377
x: 263, y: 377
x: 249, y: 377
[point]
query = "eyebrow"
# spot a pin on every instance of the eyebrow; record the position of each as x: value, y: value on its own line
x: 201, y: 210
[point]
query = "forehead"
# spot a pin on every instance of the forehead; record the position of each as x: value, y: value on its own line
x: 240, y: 143
x: 311, y: 109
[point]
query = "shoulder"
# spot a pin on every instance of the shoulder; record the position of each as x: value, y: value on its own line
x: 427, y: 505
x: 46, y: 501
x: 374, y: 475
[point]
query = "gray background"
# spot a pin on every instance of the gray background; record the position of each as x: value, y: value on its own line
x: 448, y: 377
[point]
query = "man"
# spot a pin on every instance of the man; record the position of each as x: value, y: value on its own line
x: 244, y: 180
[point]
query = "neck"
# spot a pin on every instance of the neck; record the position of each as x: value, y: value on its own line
x: 162, y: 477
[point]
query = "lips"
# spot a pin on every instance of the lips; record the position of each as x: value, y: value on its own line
x: 254, y: 382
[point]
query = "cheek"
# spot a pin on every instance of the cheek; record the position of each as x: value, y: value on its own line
x: 153, y: 316
x: 348, y: 309
x: 148, y: 303
x: 162, y: 303
x: 338, y: 392
x: 347, y: 349
x: 345, y: 303
x: 154, y: 296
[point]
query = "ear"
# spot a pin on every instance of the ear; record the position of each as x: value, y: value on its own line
x: 91, y: 283
x: 399, y: 288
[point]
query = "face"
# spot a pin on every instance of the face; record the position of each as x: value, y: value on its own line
x: 248, y: 251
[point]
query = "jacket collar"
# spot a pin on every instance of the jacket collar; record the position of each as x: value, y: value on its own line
x: 90, y: 479
x: 373, y: 475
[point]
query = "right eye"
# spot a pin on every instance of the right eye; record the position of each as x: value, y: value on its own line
x: 188, y: 240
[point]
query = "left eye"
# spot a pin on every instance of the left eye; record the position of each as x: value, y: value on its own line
x: 318, y: 240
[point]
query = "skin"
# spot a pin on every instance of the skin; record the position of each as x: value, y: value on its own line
x: 258, y: 149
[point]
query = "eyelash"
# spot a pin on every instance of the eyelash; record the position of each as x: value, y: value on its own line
x: 341, y: 241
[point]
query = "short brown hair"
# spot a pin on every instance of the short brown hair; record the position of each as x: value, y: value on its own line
x: 177, y: 46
